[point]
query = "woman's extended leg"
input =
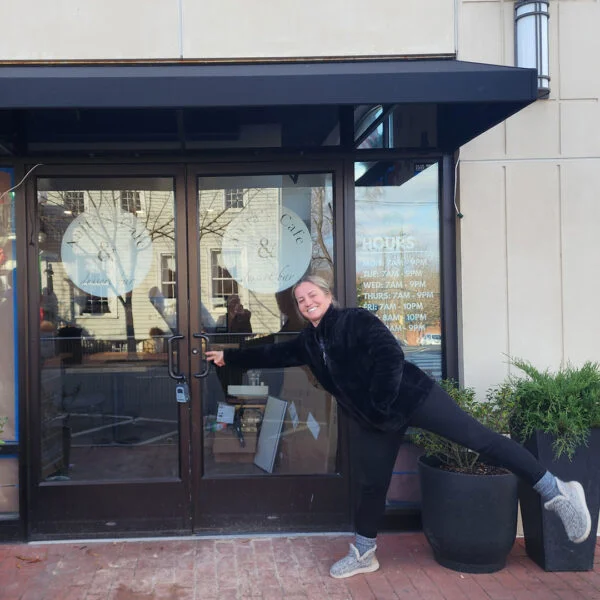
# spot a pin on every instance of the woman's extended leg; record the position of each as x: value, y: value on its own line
x: 372, y: 458
x: 441, y: 415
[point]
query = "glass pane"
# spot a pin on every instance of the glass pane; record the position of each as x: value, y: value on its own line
x: 9, y: 466
x: 398, y: 254
x: 107, y: 275
x: 405, y: 126
x: 252, y: 251
x: 364, y: 119
x: 398, y: 275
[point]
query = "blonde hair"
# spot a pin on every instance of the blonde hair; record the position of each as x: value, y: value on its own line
x: 319, y: 282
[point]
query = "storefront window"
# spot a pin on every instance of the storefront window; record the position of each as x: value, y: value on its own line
x: 398, y: 275
x: 9, y: 434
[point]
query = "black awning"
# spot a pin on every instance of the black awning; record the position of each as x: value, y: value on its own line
x: 469, y: 97
x: 339, y: 83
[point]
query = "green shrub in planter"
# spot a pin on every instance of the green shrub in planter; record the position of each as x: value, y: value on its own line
x: 3, y: 421
x: 564, y: 404
x: 468, y: 507
x: 556, y: 415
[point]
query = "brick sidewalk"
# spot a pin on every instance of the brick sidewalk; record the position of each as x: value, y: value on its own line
x: 267, y: 568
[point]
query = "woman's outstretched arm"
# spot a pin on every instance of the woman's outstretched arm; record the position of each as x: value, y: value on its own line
x: 269, y: 356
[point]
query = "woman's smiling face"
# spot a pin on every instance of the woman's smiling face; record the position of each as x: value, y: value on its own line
x: 312, y: 301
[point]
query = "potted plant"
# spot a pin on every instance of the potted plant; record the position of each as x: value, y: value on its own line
x: 556, y: 415
x: 469, y: 506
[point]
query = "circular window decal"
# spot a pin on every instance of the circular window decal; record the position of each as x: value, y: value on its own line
x: 106, y: 255
x: 266, y: 253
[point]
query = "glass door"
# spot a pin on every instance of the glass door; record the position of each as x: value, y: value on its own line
x: 110, y: 439
x: 139, y: 270
x: 265, y: 442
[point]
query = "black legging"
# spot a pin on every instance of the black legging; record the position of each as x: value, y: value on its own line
x: 373, y: 453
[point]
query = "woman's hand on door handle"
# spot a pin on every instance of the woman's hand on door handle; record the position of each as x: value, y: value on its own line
x: 216, y: 356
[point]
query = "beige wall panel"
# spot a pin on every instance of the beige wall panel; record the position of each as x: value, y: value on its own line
x: 483, y: 274
x: 534, y: 264
x: 578, y: 24
x: 237, y: 28
x: 554, y: 44
x: 84, y: 30
x: 481, y: 37
x: 580, y: 128
x: 508, y: 25
x: 580, y: 182
x: 491, y: 144
x: 534, y: 131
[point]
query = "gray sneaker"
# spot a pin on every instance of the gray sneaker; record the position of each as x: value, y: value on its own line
x: 571, y: 508
x: 354, y: 563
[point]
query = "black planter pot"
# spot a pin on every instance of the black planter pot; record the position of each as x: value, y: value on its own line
x: 470, y: 521
x: 546, y: 542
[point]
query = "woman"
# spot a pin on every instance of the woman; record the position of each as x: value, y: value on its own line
x: 356, y: 358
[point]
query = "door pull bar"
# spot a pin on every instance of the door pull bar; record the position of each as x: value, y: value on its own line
x: 172, y: 373
x: 204, y: 371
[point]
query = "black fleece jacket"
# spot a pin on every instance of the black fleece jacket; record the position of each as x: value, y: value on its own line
x: 354, y: 356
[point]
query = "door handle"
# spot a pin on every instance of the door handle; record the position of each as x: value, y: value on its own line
x: 172, y: 373
x: 204, y: 371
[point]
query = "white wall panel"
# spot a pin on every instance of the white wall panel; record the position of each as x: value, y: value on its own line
x: 238, y: 28
x: 481, y: 36
x: 534, y: 131
x: 491, y: 144
x: 483, y: 274
x: 580, y: 128
x: 554, y: 47
x: 580, y: 182
x: 85, y: 30
x: 579, y: 41
x: 534, y: 264
x: 224, y: 29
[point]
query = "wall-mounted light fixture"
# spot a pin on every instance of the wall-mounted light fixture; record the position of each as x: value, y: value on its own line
x: 531, y: 40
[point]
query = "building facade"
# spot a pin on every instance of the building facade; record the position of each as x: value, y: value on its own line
x: 167, y: 176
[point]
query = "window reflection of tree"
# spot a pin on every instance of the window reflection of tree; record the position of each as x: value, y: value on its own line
x: 154, y: 209
x: 321, y: 213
